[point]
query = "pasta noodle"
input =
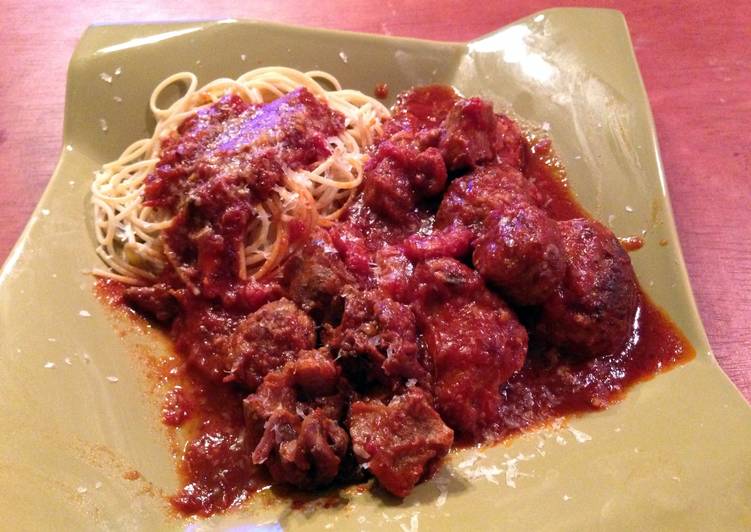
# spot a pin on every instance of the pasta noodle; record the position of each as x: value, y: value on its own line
x: 128, y: 231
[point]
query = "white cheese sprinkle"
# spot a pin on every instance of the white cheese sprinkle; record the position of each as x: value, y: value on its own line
x: 105, y: 77
x: 580, y: 436
x: 49, y: 365
x: 85, y: 313
x: 112, y: 378
x: 343, y: 57
x: 414, y: 524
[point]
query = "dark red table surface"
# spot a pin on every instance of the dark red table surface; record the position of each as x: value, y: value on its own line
x: 695, y: 58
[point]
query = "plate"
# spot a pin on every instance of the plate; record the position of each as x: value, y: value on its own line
x: 76, y: 411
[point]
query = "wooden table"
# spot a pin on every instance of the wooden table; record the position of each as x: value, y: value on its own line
x: 694, y: 55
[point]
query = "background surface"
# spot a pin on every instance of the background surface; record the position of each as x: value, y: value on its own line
x: 694, y: 56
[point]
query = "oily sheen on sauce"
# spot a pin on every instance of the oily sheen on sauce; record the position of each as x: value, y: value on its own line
x: 463, y: 297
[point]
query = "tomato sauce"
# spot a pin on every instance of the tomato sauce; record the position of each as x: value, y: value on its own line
x: 203, y: 401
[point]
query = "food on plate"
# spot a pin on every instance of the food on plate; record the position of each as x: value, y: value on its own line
x: 353, y: 290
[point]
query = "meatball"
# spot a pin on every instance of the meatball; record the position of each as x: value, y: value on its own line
x: 266, y: 339
x: 315, y: 276
x: 520, y: 252
x: 402, y: 443
x: 474, y: 340
x: 472, y: 197
x: 592, y: 313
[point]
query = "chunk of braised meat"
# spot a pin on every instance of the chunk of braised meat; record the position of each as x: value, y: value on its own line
x: 398, y: 175
x: 472, y: 134
x: 292, y: 422
x: 393, y: 271
x: 520, y: 252
x: 468, y: 134
x: 421, y: 108
x: 376, y: 342
x: 351, y: 245
x: 453, y: 241
x: 159, y: 300
x: 474, y: 339
x: 510, y: 144
x: 401, y: 443
x: 266, y: 340
x: 201, y: 332
x: 592, y: 312
x: 472, y: 197
x: 315, y: 276
x: 465, y: 129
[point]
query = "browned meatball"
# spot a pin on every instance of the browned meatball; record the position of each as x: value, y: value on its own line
x: 520, y: 252
x: 266, y: 339
x: 472, y: 197
x: 592, y: 312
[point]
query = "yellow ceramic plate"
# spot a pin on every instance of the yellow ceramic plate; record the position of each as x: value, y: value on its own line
x: 675, y: 454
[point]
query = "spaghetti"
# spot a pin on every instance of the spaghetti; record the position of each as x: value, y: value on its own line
x: 128, y: 230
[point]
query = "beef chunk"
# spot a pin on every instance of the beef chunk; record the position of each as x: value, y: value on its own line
x: 158, y: 300
x: 472, y: 135
x: 520, y: 252
x: 453, y: 241
x: 468, y: 134
x: 350, y: 243
x: 475, y: 341
x: 393, y: 271
x: 266, y: 339
x: 376, y: 341
x: 422, y: 109
x: 472, y: 197
x: 398, y: 175
x: 292, y: 422
x: 402, y: 443
x: 315, y: 276
x: 201, y: 332
x: 510, y: 144
x: 592, y: 312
